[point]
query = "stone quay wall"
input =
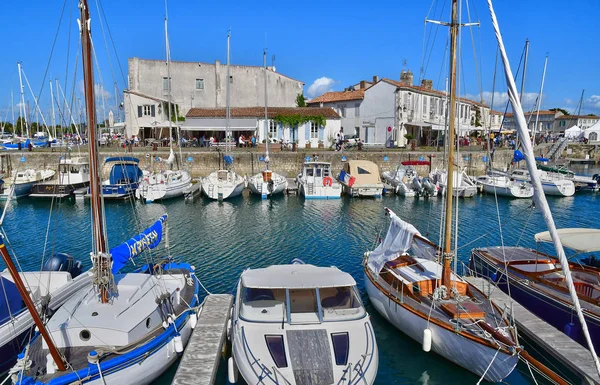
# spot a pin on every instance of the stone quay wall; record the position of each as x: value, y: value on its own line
x: 202, y: 163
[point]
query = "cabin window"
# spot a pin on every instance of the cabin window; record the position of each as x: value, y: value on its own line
x: 276, y: 347
x: 319, y: 172
x: 341, y: 347
x: 303, y: 301
x: 314, y: 130
x: 340, y: 303
x: 416, y: 289
x: 199, y: 84
x: 362, y: 171
x: 310, y: 171
x: 264, y: 305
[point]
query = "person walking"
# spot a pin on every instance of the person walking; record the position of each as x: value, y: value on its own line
x: 339, y: 140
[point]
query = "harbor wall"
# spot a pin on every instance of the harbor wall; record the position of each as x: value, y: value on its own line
x: 202, y: 163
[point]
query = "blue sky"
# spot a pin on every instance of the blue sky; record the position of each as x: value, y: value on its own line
x: 334, y: 44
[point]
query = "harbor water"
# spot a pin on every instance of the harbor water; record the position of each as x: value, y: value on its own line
x: 223, y: 239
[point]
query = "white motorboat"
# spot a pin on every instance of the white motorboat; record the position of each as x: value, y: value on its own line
x: 163, y: 185
x: 73, y: 174
x: 503, y: 185
x: 223, y: 184
x: 400, y: 179
x: 267, y: 183
x: 316, y: 181
x: 301, y: 324
x: 552, y: 183
x: 463, y: 185
x: 361, y: 178
x: 20, y: 184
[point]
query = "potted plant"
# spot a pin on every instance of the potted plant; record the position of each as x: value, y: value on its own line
x: 307, y: 144
x: 294, y: 145
x: 321, y: 144
x: 411, y: 140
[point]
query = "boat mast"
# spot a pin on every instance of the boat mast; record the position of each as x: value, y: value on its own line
x: 266, y: 114
x: 539, y: 104
x: 167, y: 48
x: 102, y: 261
x: 580, y: 103
x: 53, y: 112
x: 524, y: 71
x: 228, y: 136
x: 22, y: 102
x: 447, y: 256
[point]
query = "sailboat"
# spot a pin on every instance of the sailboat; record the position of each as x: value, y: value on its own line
x: 124, y: 328
x: 410, y: 282
x: 167, y: 183
x: 225, y: 183
x: 267, y: 183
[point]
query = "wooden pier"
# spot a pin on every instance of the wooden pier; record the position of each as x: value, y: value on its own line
x: 201, y: 357
x: 292, y: 187
x: 571, y: 354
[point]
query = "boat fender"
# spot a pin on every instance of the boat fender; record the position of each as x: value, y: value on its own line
x: 229, y: 330
x: 427, y: 338
x: 193, y: 320
x: 177, y: 296
x: 51, y: 367
x: 232, y: 371
x: 178, y: 343
x: 572, y: 330
x: 165, y: 324
x: 327, y: 181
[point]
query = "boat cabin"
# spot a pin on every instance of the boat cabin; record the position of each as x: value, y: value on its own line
x: 298, y: 294
x: 316, y: 170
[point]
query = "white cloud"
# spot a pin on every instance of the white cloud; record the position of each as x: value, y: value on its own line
x: 320, y: 86
x: 569, y: 101
x: 99, y: 90
x: 592, y: 104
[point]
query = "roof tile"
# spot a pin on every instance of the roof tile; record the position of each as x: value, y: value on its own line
x: 338, y: 96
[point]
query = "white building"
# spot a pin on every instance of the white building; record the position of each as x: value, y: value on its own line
x: 249, y: 121
x: 545, y: 121
x: 347, y: 104
x: 584, y: 122
x: 145, y: 116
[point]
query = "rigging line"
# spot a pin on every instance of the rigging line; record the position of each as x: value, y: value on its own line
x: 105, y: 43
x: 477, y: 71
x: 426, y: 39
x: 51, y: 50
x: 68, y: 44
x: 100, y: 84
x: 113, y: 45
x: 443, y: 64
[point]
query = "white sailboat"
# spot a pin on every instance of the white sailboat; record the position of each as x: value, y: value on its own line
x: 267, y: 183
x: 502, y: 185
x: 553, y: 183
x: 165, y: 184
x: 124, y: 328
x: 462, y: 186
x: 225, y: 183
x: 301, y: 324
x: 410, y: 282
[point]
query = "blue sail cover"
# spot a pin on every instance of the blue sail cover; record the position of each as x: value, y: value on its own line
x: 148, y: 239
x: 518, y: 156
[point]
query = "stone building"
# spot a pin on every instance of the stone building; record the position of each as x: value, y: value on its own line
x: 545, y: 121
x: 564, y: 122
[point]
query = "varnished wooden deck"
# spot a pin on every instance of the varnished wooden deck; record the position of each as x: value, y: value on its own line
x: 568, y: 352
x: 200, y: 361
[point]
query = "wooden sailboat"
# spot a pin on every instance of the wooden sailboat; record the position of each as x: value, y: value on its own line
x: 420, y: 294
x: 225, y: 183
x: 267, y: 183
x: 123, y: 328
x: 157, y: 185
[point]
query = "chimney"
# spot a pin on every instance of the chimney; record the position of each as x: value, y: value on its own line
x: 375, y: 79
x: 406, y: 77
x: 427, y: 84
x: 363, y: 85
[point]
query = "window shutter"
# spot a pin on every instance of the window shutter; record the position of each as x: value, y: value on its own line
x: 321, y: 132
x: 153, y: 110
x: 279, y: 130
x: 139, y: 111
x: 307, y: 131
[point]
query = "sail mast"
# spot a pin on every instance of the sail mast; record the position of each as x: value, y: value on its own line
x: 266, y: 114
x: 228, y: 136
x: 446, y: 268
x: 24, y: 118
x: 103, y: 278
x: 540, y: 99
x: 167, y: 48
x: 524, y: 70
x: 53, y: 112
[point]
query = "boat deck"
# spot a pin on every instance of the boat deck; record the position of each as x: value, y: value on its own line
x: 200, y: 360
x: 570, y: 353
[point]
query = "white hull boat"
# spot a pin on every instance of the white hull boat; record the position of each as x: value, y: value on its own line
x: 552, y: 183
x: 323, y: 335
x: 504, y: 186
x: 20, y: 185
x: 164, y: 185
x: 400, y: 180
x: 267, y: 184
x: 361, y: 178
x: 223, y: 184
x: 463, y: 186
x: 316, y: 182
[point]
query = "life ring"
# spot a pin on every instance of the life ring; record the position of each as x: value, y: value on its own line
x: 327, y: 181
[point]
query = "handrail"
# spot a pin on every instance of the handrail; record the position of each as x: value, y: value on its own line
x: 361, y: 367
x: 264, y: 370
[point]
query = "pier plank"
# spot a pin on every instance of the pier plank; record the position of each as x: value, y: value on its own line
x: 200, y: 360
x: 568, y: 352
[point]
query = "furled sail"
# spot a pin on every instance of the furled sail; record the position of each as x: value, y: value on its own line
x: 147, y: 239
x: 538, y: 196
x: 398, y: 240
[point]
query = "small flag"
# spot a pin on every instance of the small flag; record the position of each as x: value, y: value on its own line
x: 23, y: 159
x: 344, y: 158
x: 385, y: 158
x: 421, y: 158
x: 190, y: 159
x: 484, y: 159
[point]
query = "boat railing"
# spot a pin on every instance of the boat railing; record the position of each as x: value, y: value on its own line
x: 355, y: 374
x: 261, y: 370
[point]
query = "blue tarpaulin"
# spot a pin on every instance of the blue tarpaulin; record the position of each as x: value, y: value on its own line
x: 148, y: 239
x: 540, y: 159
x: 518, y: 156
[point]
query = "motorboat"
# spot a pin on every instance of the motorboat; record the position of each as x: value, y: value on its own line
x: 163, y: 185
x: 267, y: 183
x: 503, y: 185
x: 316, y: 181
x: 59, y: 279
x: 401, y: 180
x: 552, y: 183
x: 537, y: 282
x: 223, y: 184
x: 73, y: 174
x: 361, y: 178
x: 407, y: 285
x: 301, y: 324
x: 463, y: 185
x: 21, y: 183
x: 124, y: 178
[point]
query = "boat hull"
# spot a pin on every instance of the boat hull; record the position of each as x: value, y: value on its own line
x: 363, y: 191
x: 320, y: 192
x: 150, y: 192
x: 222, y: 191
x: 554, y: 312
x: 508, y: 191
x: 56, y: 190
x: 255, y: 184
x: 464, y: 352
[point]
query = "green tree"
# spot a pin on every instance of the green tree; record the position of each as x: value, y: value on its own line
x: 20, y: 126
x: 300, y: 100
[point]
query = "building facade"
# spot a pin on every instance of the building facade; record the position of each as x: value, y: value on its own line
x: 210, y: 122
x: 347, y: 104
x: 545, y: 121
x: 145, y: 115
x: 564, y: 122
